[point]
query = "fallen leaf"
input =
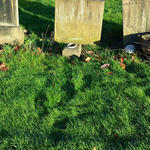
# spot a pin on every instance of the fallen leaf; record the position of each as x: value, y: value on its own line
x: 94, y: 148
x: 133, y: 58
x: 9, y: 55
x: 73, y: 63
x: 116, y: 136
x: 3, y: 67
x: 90, y: 52
x: 117, y: 57
x: 25, y: 31
x: 105, y: 66
x: 33, y: 53
x: 114, y: 57
x: 109, y: 73
x: 37, y: 53
x: 122, y: 59
x: 87, y: 59
x: 40, y: 50
x: 123, y: 66
x: 16, y: 48
x: 98, y: 58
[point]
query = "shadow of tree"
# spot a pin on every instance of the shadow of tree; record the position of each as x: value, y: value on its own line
x: 59, y: 132
x: 39, y: 104
x: 87, y: 81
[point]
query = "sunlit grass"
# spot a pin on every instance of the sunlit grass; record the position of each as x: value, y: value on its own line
x: 49, y: 102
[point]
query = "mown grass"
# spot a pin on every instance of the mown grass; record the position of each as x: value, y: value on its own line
x: 51, y: 102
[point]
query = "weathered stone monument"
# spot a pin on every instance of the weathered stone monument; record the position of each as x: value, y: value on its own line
x: 136, y: 19
x: 10, y: 32
x: 78, y: 21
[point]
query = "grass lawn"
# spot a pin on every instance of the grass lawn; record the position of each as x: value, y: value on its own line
x: 49, y: 102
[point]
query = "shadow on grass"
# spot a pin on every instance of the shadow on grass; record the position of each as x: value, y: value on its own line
x: 70, y: 91
x: 39, y: 19
x: 112, y: 35
x: 87, y: 81
x: 35, y: 16
x: 59, y: 133
x: 40, y: 99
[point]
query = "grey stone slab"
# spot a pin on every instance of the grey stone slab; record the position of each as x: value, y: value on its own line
x: 78, y: 21
x: 11, y: 35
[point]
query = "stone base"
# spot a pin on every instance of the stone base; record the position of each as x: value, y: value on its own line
x: 11, y: 35
x: 72, y: 51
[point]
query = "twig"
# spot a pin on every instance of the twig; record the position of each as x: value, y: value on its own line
x: 44, y: 39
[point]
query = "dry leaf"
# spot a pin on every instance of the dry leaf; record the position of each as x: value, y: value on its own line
x: 116, y: 136
x: 105, y: 66
x: 25, y: 31
x: 90, y: 52
x: 37, y: 53
x: 3, y: 67
x: 87, y: 59
x: 33, y: 53
x: 98, y: 58
x: 73, y: 63
x: 133, y: 58
x: 16, y: 48
x: 94, y: 148
x: 117, y: 57
x: 114, y: 57
x: 123, y: 66
x: 109, y: 73
x: 40, y: 50
x: 122, y: 59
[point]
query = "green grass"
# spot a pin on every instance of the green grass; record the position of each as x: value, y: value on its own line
x: 49, y: 102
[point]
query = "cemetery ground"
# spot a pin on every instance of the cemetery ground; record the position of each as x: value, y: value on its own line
x: 51, y: 102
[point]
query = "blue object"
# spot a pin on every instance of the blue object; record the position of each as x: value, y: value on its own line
x: 130, y: 49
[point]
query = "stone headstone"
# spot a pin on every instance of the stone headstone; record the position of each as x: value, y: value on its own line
x: 78, y: 21
x: 10, y: 32
x: 136, y: 19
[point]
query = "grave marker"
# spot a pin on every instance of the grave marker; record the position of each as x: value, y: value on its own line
x: 136, y: 19
x: 10, y: 32
x: 78, y: 21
